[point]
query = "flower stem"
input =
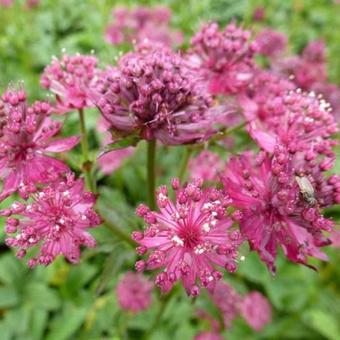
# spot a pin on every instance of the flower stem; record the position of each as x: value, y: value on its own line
x: 184, y: 164
x: 151, y: 173
x: 87, y: 164
x: 227, y: 132
x: 120, y: 234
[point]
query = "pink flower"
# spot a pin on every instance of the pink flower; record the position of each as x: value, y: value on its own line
x: 225, y: 58
x: 271, y: 43
x: 55, y: 220
x: 154, y: 94
x: 6, y: 3
x: 205, y: 165
x: 70, y: 79
x: 256, y: 310
x: 279, y: 199
x: 259, y: 13
x: 228, y: 302
x: 25, y: 139
x: 188, y: 238
x: 32, y: 3
x: 111, y: 161
x: 335, y: 238
x: 208, y: 336
x: 134, y: 292
x: 140, y: 23
x: 301, y: 121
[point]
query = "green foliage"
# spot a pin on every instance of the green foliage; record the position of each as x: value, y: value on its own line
x: 78, y: 302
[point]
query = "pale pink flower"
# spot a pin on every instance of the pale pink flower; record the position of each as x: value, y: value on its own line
x: 70, y: 79
x: 6, y: 3
x: 256, y: 310
x: 142, y: 23
x: 25, y: 140
x: 188, y: 238
x: 134, y: 292
x: 54, y: 220
x: 154, y: 94
x: 205, y: 165
x: 279, y: 198
x: 225, y: 58
x: 335, y: 238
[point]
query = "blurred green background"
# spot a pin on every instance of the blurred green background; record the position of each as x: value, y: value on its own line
x: 78, y: 302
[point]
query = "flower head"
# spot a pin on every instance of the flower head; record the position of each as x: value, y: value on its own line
x: 25, y: 138
x: 70, y: 79
x: 208, y: 336
x: 224, y: 57
x: 188, y: 238
x: 134, y: 292
x: 256, y: 310
x: 153, y: 93
x: 142, y: 23
x: 206, y: 166
x: 271, y: 43
x: 301, y: 121
x: 55, y: 220
x: 279, y: 198
x: 228, y: 302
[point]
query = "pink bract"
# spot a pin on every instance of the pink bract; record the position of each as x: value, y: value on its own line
x: 188, y: 238
x: 55, y: 220
x: 70, y: 79
x: 277, y: 205
x: 25, y: 141
x: 256, y: 310
x: 134, y: 292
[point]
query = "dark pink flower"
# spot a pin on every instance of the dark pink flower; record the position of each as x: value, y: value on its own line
x: 271, y: 43
x: 134, y: 292
x: 70, y: 79
x: 153, y: 93
x: 335, y: 238
x: 315, y: 52
x: 32, y: 3
x: 25, y: 140
x: 301, y: 121
x: 256, y: 310
x: 55, y: 220
x: 142, y: 23
x: 279, y: 199
x: 228, y: 302
x: 259, y: 13
x: 225, y: 58
x: 188, y: 238
x: 205, y: 165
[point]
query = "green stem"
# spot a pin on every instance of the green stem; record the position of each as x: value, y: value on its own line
x: 120, y: 234
x: 151, y: 173
x: 227, y: 132
x: 87, y: 164
x: 184, y: 164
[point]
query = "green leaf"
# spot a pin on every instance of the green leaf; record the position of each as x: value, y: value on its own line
x: 41, y: 297
x: 8, y: 297
x: 121, y: 144
x: 325, y: 323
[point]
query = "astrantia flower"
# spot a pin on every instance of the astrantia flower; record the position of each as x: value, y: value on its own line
x: 55, y: 220
x: 140, y: 23
x: 188, y: 238
x: 279, y: 199
x: 153, y: 93
x: 301, y: 121
x: 224, y: 57
x: 6, y: 3
x: 25, y: 139
x: 271, y: 43
x: 208, y: 336
x: 70, y: 79
x: 256, y: 310
x: 134, y: 292
x: 228, y: 302
x: 205, y: 165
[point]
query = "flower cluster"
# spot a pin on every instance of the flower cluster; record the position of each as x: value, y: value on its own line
x: 71, y: 79
x: 154, y: 94
x: 188, y: 238
x: 271, y: 43
x: 278, y: 198
x: 205, y: 166
x: 142, y: 23
x: 225, y: 58
x: 55, y: 220
x: 134, y: 292
x: 26, y: 134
